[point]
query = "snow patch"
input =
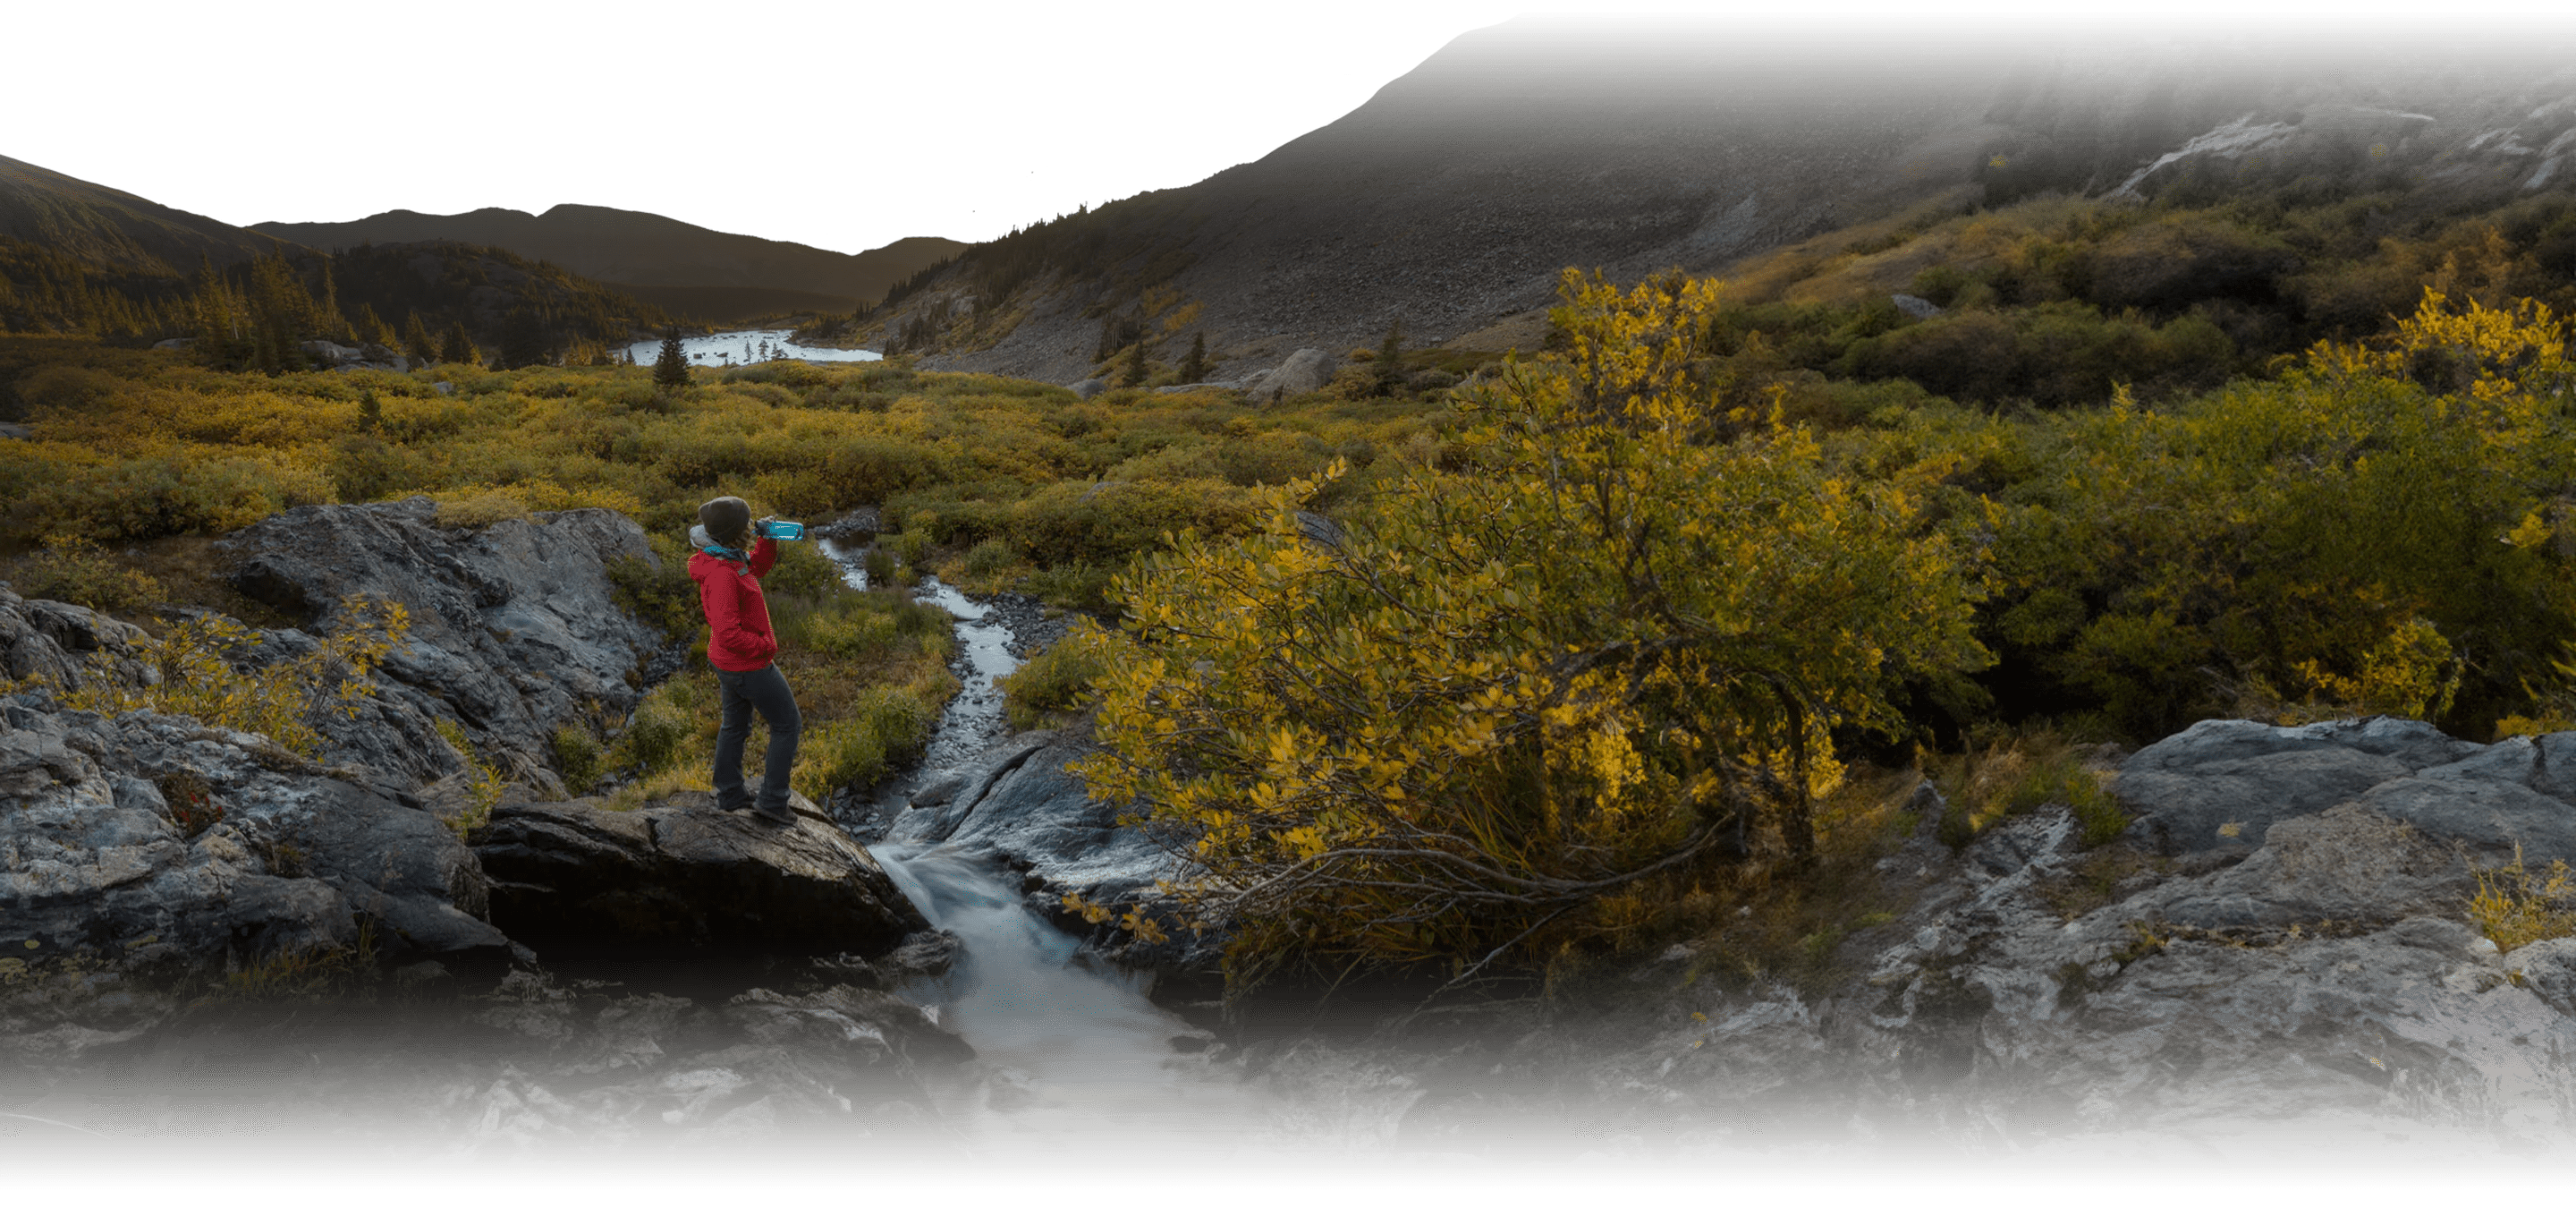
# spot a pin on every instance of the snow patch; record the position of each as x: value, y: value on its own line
x: 2239, y: 137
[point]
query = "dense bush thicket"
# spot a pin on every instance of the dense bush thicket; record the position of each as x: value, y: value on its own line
x: 2056, y: 301
x: 1622, y: 639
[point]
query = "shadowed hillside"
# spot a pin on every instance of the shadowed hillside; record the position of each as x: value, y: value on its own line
x: 687, y: 269
x: 115, y: 230
x: 1452, y: 198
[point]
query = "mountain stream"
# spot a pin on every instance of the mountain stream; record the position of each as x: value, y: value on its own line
x: 1072, y: 1050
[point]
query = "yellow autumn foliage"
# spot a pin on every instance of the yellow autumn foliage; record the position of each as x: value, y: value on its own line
x: 1614, y: 644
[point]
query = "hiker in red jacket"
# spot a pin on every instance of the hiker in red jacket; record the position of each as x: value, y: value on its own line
x: 728, y: 567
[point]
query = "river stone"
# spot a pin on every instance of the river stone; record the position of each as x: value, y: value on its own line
x: 515, y: 627
x: 683, y: 875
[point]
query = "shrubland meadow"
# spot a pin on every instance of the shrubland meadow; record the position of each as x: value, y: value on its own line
x: 1599, y: 646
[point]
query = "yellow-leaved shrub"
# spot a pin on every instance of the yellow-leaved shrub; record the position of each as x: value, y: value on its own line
x: 1615, y: 644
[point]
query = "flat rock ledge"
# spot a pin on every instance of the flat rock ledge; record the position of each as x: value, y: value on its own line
x: 683, y: 875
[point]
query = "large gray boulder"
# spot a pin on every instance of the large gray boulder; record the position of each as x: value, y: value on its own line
x: 683, y: 876
x: 144, y: 854
x: 1305, y: 371
x: 2224, y: 784
x: 514, y: 627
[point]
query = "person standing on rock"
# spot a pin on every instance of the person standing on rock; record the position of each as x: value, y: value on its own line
x: 728, y: 567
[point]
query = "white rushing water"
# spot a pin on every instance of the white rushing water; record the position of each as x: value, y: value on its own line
x: 1072, y: 1053
x: 746, y: 347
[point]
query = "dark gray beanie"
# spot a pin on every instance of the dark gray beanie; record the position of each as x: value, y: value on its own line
x: 727, y: 519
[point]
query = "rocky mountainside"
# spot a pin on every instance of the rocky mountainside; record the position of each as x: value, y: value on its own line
x: 1454, y: 197
x: 685, y: 269
x: 115, y: 230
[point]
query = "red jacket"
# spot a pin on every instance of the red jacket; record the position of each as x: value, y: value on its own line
x: 738, y: 635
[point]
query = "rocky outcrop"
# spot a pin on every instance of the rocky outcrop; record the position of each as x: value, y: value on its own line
x: 2316, y: 968
x: 2221, y: 785
x: 514, y: 626
x: 156, y: 850
x: 63, y: 644
x: 683, y: 876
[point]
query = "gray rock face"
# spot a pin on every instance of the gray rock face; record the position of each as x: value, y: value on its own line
x: 1089, y: 388
x: 2327, y: 977
x: 685, y: 876
x: 514, y: 627
x: 2224, y: 784
x: 261, y: 855
x: 1305, y: 370
x: 63, y: 643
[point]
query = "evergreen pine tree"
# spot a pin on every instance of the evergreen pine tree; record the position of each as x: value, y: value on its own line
x: 1390, y: 358
x: 459, y: 346
x: 1135, y: 375
x: 371, y: 413
x: 416, y: 341
x: 523, y: 339
x: 672, y: 367
x: 1195, y: 368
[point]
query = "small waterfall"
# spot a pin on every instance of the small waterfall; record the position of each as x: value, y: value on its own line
x: 1072, y: 1051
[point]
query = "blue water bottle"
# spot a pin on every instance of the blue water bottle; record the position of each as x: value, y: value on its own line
x: 779, y: 530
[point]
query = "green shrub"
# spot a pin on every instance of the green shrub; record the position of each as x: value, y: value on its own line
x: 991, y: 556
x: 663, y: 595
x: 75, y: 570
x: 879, y: 567
x: 908, y: 546
x: 482, y: 782
x: 802, y: 570
x: 883, y: 727
x: 579, y: 755
x: 656, y: 734
x: 1053, y: 683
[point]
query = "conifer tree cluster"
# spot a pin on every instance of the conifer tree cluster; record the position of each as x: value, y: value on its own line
x: 259, y: 314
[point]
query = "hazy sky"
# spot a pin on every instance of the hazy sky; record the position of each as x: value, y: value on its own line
x: 843, y: 125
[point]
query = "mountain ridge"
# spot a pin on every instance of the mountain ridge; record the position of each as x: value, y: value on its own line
x: 1454, y: 198
x: 664, y: 260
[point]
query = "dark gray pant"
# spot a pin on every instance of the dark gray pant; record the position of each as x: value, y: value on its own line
x: 766, y: 691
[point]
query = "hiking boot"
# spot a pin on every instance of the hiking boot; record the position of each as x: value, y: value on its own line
x: 778, y: 813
